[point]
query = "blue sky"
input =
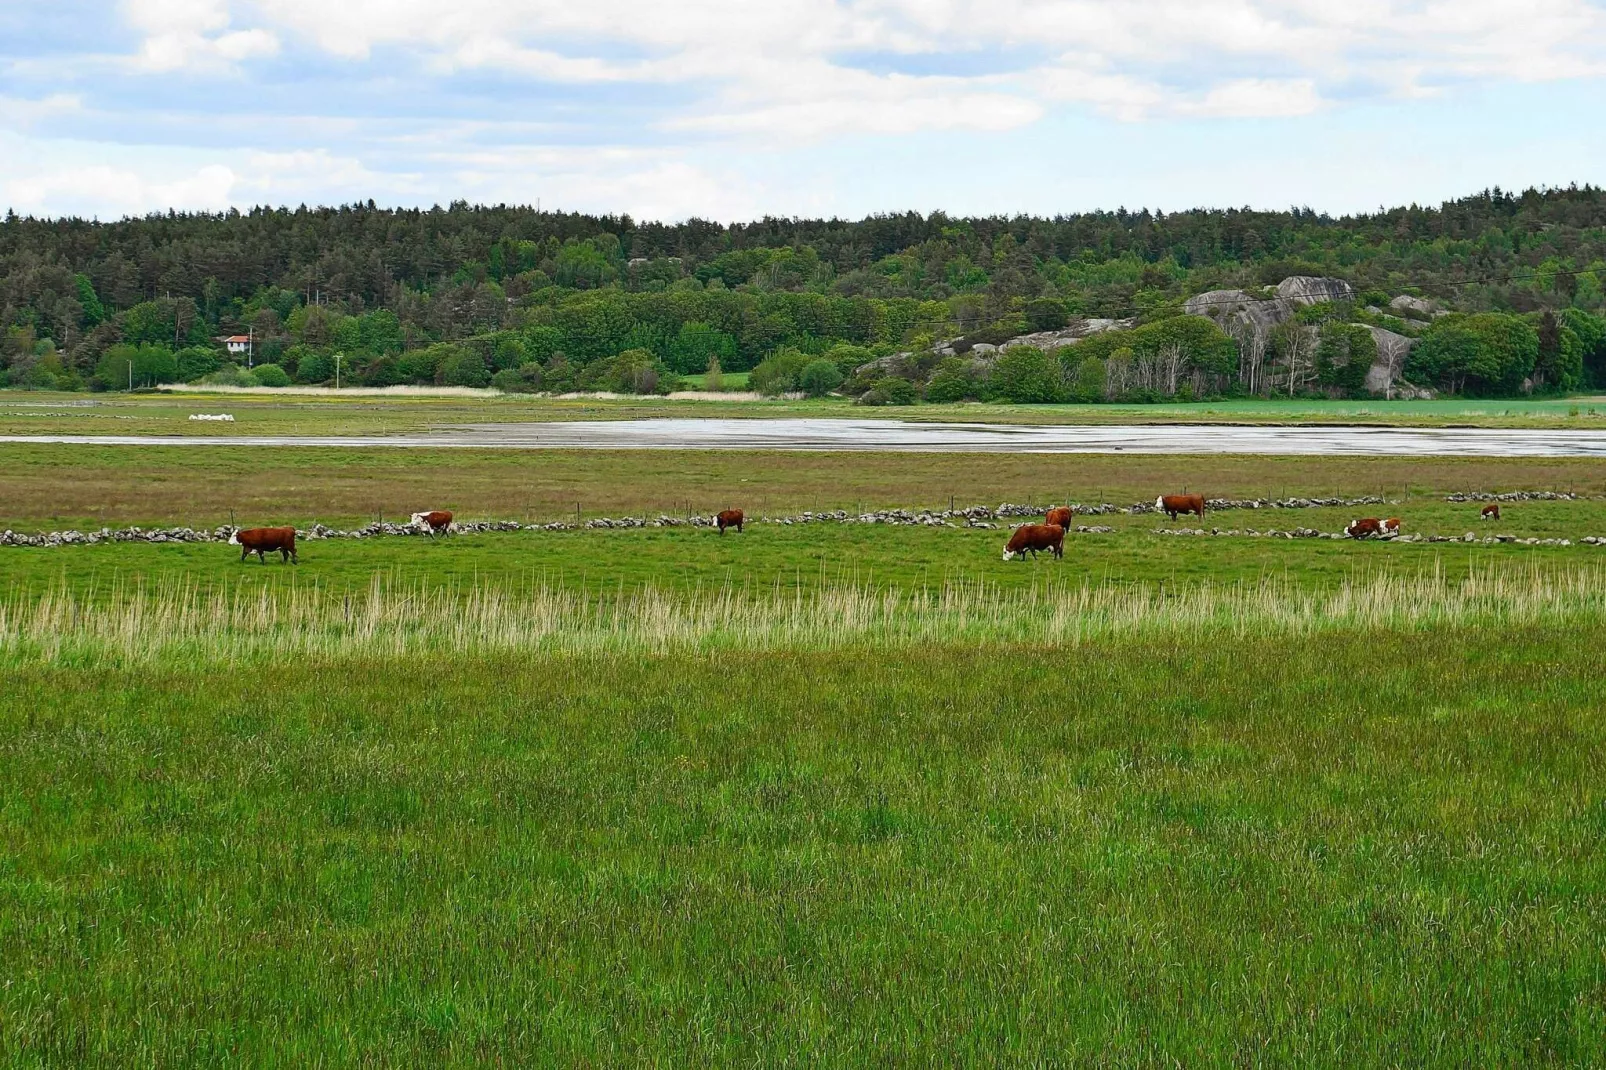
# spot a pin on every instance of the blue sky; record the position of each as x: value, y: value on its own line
x: 730, y: 109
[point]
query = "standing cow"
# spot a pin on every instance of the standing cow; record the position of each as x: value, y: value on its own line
x: 1180, y: 504
x: 1034, y: 537
x: 1061, y: 515
x: 1490, y: 512
x: 436, y: 522
x: 261, y: 541
x: 730, y: 518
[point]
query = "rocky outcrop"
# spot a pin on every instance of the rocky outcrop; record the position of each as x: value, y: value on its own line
x: 1314, y: 289
x: 1385, y: 375
x: 1068, y: 335
x: 1417, y: 307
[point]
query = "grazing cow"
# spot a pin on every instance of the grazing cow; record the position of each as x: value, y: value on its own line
x: 1490, y: 512
x: 1174, y: 504
x: 1061, y: 515
x: 261, y: 541
x: 436, y: 522
x: 1391, y: 526
x: 1035, y: 537
x: 1364, y: 528
x: 730, y: 518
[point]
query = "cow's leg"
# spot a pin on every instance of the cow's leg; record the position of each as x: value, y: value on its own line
x: 245, y: 552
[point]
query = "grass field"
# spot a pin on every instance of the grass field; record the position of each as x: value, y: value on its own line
x: 26, y: 413
x: 818, y: 794
x: 1204, y: 838
x: 44, y: 486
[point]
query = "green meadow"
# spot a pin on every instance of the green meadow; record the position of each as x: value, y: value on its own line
x: 823, y: 794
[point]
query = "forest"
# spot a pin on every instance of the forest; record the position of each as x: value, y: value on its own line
x: 1496, y: 294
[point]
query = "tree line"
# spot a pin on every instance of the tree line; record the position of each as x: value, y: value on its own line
x: 471, y: 295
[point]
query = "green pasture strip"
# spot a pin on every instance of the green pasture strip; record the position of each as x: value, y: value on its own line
x: 767, y: 557
x: 28, y: 412
x: 45, y: 486
x: 1332, y: 849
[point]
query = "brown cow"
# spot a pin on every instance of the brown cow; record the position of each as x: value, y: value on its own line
x: 436, y: 522
x: 1061, y: 515
x: 1490, y: 512
x: 261, y: 541
x: 730, y: 518
x: 1173, y: 504
x: 1391, y: 526
x: 1364, y: 528
x: 1035, y: 537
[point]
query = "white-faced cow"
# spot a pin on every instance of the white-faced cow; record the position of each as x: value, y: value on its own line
x: 261, y: 541
x: 1030, y: 538
x: 1173, y: 505
x: 435, y: 522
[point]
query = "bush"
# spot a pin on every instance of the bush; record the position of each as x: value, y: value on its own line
x: 891, y: 390
x: 951, y: 382
x: 1088, y: 384
x: 558, y: 375
x: 509, y: 354
x: 385, y: 371
x: 229, y: 375
x: 819, y: 377
x: 525, y: 379
x: 778, y: 373
x: 463, y: 368
x: 196, y: 361
x: 314, y: 367
x: 270, y: 375
x: 1028, y: 376
x: 635, y: 371
x: 713, y: 377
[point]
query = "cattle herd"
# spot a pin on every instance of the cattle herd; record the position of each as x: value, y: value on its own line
x: 1026, y: 539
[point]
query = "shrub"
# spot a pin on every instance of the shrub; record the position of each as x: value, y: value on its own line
x: 525, y: 379
x: 314, y: 367
x: 890, y: 390
x: 951, y: 382
x: 819, y: 377
x: 778, y: 373
x: 463, y: 368
x: 196, y: 361
x: 713, y: 377
x: 635, y: 371
x: 229, y: 375
x: 270, y: 375
x: 509, y: 354
x: 1088, y: 384
x: 385, y: 371
x: 558, y: 375
x: 1026, y: 376
x: 1046, y: 314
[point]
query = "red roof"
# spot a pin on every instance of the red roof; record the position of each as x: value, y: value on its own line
x: 238, y: 338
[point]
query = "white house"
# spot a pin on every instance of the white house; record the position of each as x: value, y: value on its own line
x: 237, y: 344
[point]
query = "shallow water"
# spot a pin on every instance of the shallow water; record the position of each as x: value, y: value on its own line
x: 896, y: 435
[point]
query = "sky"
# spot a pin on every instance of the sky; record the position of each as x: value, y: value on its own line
x: 734, y: 109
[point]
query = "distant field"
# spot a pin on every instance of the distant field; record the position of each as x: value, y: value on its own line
x: 45, y: 486
x: 23, y: 412
x: 1217, y: 839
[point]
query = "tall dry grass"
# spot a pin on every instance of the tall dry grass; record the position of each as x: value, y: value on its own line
x: 392, y: 617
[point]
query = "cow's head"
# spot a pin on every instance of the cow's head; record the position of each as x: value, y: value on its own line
x: 1159, y: 503
x: 1007, y: 555
x: 234, y: 537
x: 418, y: 520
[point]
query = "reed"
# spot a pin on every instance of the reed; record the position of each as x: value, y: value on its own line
x: 392, y: 616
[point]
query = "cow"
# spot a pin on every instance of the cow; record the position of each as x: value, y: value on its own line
x: 1391, y: 526
x: 436, y: 522
x: 729, y: 518
x: 1490, y: 512
x: 1174, y: 504
x: 261, y: 541
x: 1061, y: 515
x: 1364, y: 528
x: 1035, y: 537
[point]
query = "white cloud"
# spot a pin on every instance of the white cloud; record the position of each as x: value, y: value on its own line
x: 109, y: 190
x: 193, y: 34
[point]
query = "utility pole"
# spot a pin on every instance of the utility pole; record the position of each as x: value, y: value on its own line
x: 337, y: 369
